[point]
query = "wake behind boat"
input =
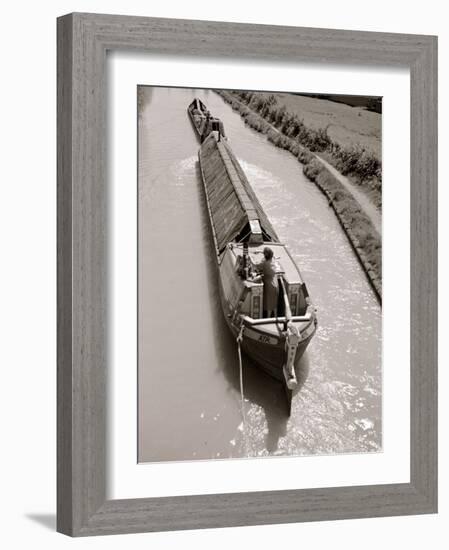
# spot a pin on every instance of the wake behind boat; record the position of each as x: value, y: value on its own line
x: 242, y: 232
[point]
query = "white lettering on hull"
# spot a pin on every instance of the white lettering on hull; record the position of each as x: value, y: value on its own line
x: 263, y: 338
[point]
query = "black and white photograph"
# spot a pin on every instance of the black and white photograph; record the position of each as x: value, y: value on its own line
x: 223, y: 233
x: 259, y: 274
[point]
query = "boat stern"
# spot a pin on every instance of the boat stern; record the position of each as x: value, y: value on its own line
x: 277, y: 345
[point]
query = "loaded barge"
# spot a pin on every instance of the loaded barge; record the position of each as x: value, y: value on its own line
x: 203, y: 122
x: 241, y: 231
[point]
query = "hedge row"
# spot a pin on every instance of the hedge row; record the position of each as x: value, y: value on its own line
x: 355, y: 160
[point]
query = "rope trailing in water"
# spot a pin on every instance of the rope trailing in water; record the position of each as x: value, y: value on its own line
x: 239, y: 340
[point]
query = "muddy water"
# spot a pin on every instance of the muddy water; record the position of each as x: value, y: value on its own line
x: 189, y: 396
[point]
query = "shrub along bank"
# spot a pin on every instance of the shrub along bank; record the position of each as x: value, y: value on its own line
x: 362, y: 165
x: 358, y: 227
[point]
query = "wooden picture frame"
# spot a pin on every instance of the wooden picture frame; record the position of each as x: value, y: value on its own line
x: 83, y: 40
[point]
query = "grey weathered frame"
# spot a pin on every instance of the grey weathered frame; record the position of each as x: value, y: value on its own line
x: 83, y: 40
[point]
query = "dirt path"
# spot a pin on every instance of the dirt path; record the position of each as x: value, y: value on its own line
x: 365, y: 203
x: 363, y: 200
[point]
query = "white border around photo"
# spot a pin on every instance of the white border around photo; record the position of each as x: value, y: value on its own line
x: 126, y: 478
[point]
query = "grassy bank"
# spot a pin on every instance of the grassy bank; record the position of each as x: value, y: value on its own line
x: 359, y: 229
x: 328, y: 129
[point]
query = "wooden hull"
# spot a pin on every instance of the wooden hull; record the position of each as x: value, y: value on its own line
x: 196, y: 126
x: 270, y: 357
x: 203, y: 123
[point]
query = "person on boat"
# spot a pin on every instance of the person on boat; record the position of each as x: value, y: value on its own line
x: 240, y: 266
x: 267, y: 270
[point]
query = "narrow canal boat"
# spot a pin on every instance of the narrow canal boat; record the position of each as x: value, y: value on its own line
x: 203, y: 122
x: 241, y: 231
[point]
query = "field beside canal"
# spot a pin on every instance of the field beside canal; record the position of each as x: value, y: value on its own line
x: 345, y: 125
x: 348, y: 137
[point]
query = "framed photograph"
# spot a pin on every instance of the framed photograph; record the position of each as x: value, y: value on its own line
x: 247, y: 274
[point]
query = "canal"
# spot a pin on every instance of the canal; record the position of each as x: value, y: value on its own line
x: 189, y: 395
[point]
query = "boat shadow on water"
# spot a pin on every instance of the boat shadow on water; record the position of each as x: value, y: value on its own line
x: 258, y: 387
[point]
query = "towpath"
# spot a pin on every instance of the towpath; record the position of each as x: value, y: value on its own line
x: 365, y: 203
